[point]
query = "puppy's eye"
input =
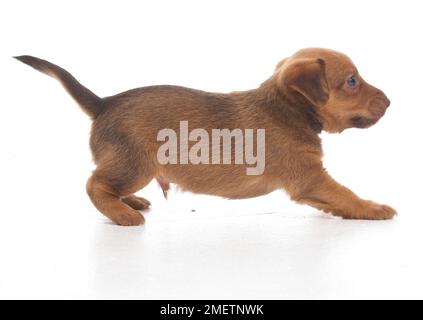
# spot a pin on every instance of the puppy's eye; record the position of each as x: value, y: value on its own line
x: 352, y: 82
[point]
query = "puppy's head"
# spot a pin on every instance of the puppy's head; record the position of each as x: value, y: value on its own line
x: 331, y: 83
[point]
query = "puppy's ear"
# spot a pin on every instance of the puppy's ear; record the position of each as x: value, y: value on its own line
x: 306, y: 77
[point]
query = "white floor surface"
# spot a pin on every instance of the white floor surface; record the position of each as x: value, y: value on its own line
x: 188, y: 250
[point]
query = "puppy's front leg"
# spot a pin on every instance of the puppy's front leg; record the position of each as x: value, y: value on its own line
x: 324, y: 193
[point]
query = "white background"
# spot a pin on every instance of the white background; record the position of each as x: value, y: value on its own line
x: 53, y: 242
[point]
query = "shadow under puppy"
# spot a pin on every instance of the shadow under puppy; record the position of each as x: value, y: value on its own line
x: 313, y: 90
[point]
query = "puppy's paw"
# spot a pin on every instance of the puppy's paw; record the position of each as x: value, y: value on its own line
x: 377, y: 211
x: 370, y: 210
x: 137, y: 203
x: 129, y: 218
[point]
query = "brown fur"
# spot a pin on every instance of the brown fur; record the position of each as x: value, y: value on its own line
x: 306, y: 94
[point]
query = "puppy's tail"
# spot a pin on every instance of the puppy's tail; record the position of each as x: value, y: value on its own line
x: 89, y: 102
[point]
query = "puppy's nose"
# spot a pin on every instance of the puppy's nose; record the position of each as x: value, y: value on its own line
x: 388, y: 102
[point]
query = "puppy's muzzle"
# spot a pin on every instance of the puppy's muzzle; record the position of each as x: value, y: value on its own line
x: 379, y: 106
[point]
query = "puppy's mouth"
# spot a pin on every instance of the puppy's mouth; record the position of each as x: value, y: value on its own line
x: 362, y: 122
x: 376, y: 109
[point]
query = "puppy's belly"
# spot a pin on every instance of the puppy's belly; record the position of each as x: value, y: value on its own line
x: 229, y: 191
x: 224, y: 182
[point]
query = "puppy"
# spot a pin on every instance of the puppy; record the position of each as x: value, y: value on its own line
x: 313, y: 90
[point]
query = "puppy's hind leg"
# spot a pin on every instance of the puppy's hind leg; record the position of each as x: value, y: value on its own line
x: 112, y: 185
x: 136, y: 203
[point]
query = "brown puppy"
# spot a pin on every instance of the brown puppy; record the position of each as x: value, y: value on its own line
x: 313, y: 90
